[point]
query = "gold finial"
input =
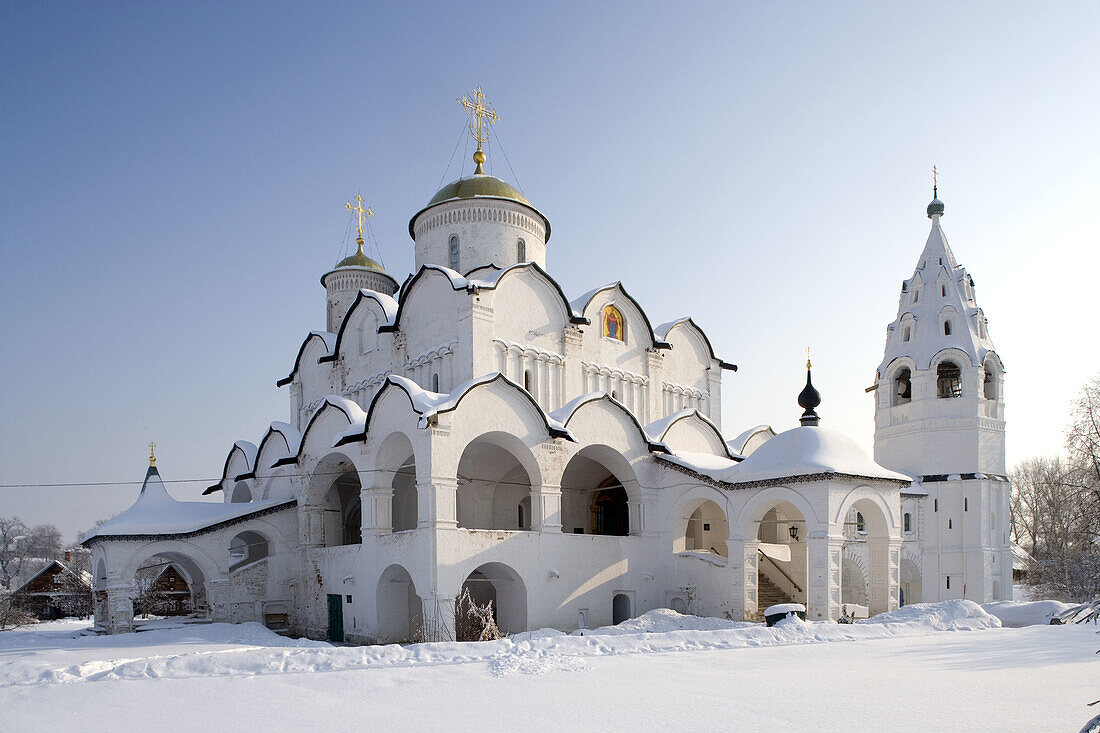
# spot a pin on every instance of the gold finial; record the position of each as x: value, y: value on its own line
x: 807, y: 357
x: 360, y: 211
x: 481, y: 116
x: 152, y: 454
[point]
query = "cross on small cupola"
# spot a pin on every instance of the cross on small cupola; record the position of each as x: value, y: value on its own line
x: 809, y: 398
x: 935, y: 209
x: 481, y: 117
x: 152, y: 455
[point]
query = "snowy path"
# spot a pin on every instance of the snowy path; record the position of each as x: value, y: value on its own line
x: 875, y: 678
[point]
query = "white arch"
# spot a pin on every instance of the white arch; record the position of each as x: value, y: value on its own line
x: 759, y: 505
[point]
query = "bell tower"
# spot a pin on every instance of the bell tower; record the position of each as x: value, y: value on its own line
x: 939, y: 417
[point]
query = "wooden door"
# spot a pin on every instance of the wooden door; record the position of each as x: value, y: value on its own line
x: 335, y: 618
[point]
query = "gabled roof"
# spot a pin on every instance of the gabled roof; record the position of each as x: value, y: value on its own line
x: 80, y: 577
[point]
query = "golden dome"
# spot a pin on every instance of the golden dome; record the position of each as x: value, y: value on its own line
x: 475, y: 186
x: 478, y: 186
x: 359, y: 259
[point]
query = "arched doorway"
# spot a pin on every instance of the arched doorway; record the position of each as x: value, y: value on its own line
x: 494, y: 486
x: 400, y: 611
x: 867, y: 537
x: 594, y: 495
x: 621, y: 608
x: 497, y: 583
x: 910, y: 582
x: 782, y: 571
x: 702, y: 527
x: 853, y: 582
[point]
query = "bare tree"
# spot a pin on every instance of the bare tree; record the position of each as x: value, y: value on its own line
x: 1056, y: 508
x: 15, y: 547
x: 24, y: 550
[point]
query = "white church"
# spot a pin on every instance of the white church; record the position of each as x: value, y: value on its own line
x: 477, y: 429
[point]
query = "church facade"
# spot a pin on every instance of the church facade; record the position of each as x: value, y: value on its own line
x: 476, y: 430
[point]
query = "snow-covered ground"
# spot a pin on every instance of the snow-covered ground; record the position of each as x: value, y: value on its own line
x: 937, y: 667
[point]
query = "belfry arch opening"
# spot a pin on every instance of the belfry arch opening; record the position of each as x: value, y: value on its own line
x: 903, y: 387
x: 948, y: 380
x: 702, y: 527
x: 594, y: 497
x: 493, y: 484
x: 989, y: 381
x: 500, y: 585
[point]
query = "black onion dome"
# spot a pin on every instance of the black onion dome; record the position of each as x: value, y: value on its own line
x: 808, y: 399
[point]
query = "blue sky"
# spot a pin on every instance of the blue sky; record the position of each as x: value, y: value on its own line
x: 174, y: 177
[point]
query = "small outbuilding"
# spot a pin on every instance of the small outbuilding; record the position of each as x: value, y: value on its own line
x: 55, y: 591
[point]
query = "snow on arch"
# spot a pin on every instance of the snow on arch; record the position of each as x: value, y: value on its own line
x: 426, y: 273
x: 689, y: 430
x: 318, y: 344
x: 425, y: 404
x: 382, y: 306
x: 582, y: 305
x: 331, y: 418
x: 635, y: 436
x: 687, y: 325
x: 751, y: 439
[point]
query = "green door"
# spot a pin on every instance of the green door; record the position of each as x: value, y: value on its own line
x: 335, y: 618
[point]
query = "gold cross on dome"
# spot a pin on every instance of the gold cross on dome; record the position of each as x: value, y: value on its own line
x: 807, y: 357
x: 152, y: 454
x: 360, y: 211
x: 481, y: 116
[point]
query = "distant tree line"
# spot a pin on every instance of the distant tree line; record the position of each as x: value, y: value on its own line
x: 1055, y: 508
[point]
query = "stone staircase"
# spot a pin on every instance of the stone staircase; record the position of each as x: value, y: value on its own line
x: 768, y: 594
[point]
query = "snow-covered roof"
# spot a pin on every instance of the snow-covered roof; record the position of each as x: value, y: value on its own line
x: 81, y: 575
x: 662, y: 331
x: 156, y: 513
x: 801, y: 451
x: 426, y: 404
x: 1021, y: 558
x: 737, y: 445
x: 326, y: 338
